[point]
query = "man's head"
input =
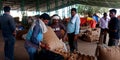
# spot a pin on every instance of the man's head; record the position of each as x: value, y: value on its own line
x: 73, y: 11
x: 6, y: 9
x: 36, y: 17
x: 112, y: 12
x: 45, y: 18
x: 55, y: 18
x: 105, y: 14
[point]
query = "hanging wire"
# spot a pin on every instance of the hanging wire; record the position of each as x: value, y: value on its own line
x: 22, y: 4
x: 63, y: 10
x: 48, y: 6
x: 1, y: 4
x: 24, y: 14
x: 56, y: 5
x: 37, y: 7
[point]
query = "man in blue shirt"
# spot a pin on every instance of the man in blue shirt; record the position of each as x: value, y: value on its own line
x: 95, y: 17
x: 73, y: 28
x: 8, y: 32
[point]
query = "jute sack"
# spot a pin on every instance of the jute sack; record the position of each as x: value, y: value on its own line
x: 91, y: 35
x: 79, y: 56
x: 20, y: 33
x: 52, y: 40
x: 108, y: 53
x: 85, y: 57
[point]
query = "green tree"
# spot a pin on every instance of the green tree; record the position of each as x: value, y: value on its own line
x: 85, y: 9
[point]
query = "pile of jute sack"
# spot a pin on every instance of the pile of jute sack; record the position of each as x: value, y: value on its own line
x: 59, y: 47
x: 20, y: 34
x: 90, y: 34
x: 105, y: 52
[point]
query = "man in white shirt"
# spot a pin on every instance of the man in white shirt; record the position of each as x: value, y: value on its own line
x: 104, y: 27
x: 73, y: 29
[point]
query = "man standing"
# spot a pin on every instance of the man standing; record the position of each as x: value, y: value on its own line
x: 113, y: 29
x: 73, y: 28
x: 8, y: 32
x: 104, y: 27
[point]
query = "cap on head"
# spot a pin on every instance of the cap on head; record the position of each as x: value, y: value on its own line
x: 6, y: 9
x: 56, y: 17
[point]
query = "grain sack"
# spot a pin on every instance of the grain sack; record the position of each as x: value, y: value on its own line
x: 73, y: 56
x: 52, y: 40
x: 108, y: 53
x: 63, y: 53
x: 20, y: 34
x: 91, y: 35
x: 85, y: 57
x: 95, y: 33
x: 79, y: 56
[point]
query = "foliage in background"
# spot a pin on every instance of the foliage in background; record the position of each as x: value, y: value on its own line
x: 85, y: 9
x: 25, y: 22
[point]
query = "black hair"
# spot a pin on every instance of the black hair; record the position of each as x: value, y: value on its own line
x: 6, y: 9
x: 104, y: 13
x: 55, y: 15
x: 44, y: 16
x: 37, y: 16
x: 73, y: 9
x: 113, y: 10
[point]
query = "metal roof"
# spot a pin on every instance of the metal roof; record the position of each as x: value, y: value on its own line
x: 44, y: 5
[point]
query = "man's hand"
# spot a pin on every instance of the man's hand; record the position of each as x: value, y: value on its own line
x: 75, y: 37
x: 43, y: 45
x: 14, y: 33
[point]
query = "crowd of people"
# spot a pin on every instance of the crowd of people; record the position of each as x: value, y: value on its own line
x: 110, y: 26
x: 71, y: 30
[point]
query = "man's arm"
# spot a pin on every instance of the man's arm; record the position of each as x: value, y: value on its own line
x: 116, y: 23
x: 77, y: 28
x: 12, y: 25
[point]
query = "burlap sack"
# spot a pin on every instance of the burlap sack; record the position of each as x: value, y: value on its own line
x: 85, y: 57
x: 20, y: 34
x: 78, y: 56
x: 91, y: 35
x: 108, y: 53
x: 95, y: 34
x: 52, y: 40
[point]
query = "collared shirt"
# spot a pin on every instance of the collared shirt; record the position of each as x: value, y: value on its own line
x: 74, y: 25
x: 95, y: 18
x: 114, y: 25
x: 57, y: 29
x: 7, y: 25
x: 104, y: 23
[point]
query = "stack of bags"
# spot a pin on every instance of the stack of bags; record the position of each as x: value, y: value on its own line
x: 74, y: 56
x: 90, y: 35
x: 52, y: 40
x: 20, y: 34
x: 105, y: 52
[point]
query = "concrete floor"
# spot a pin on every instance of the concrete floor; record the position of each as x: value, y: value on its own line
x: 20, y: 52
x: 86, y: 48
